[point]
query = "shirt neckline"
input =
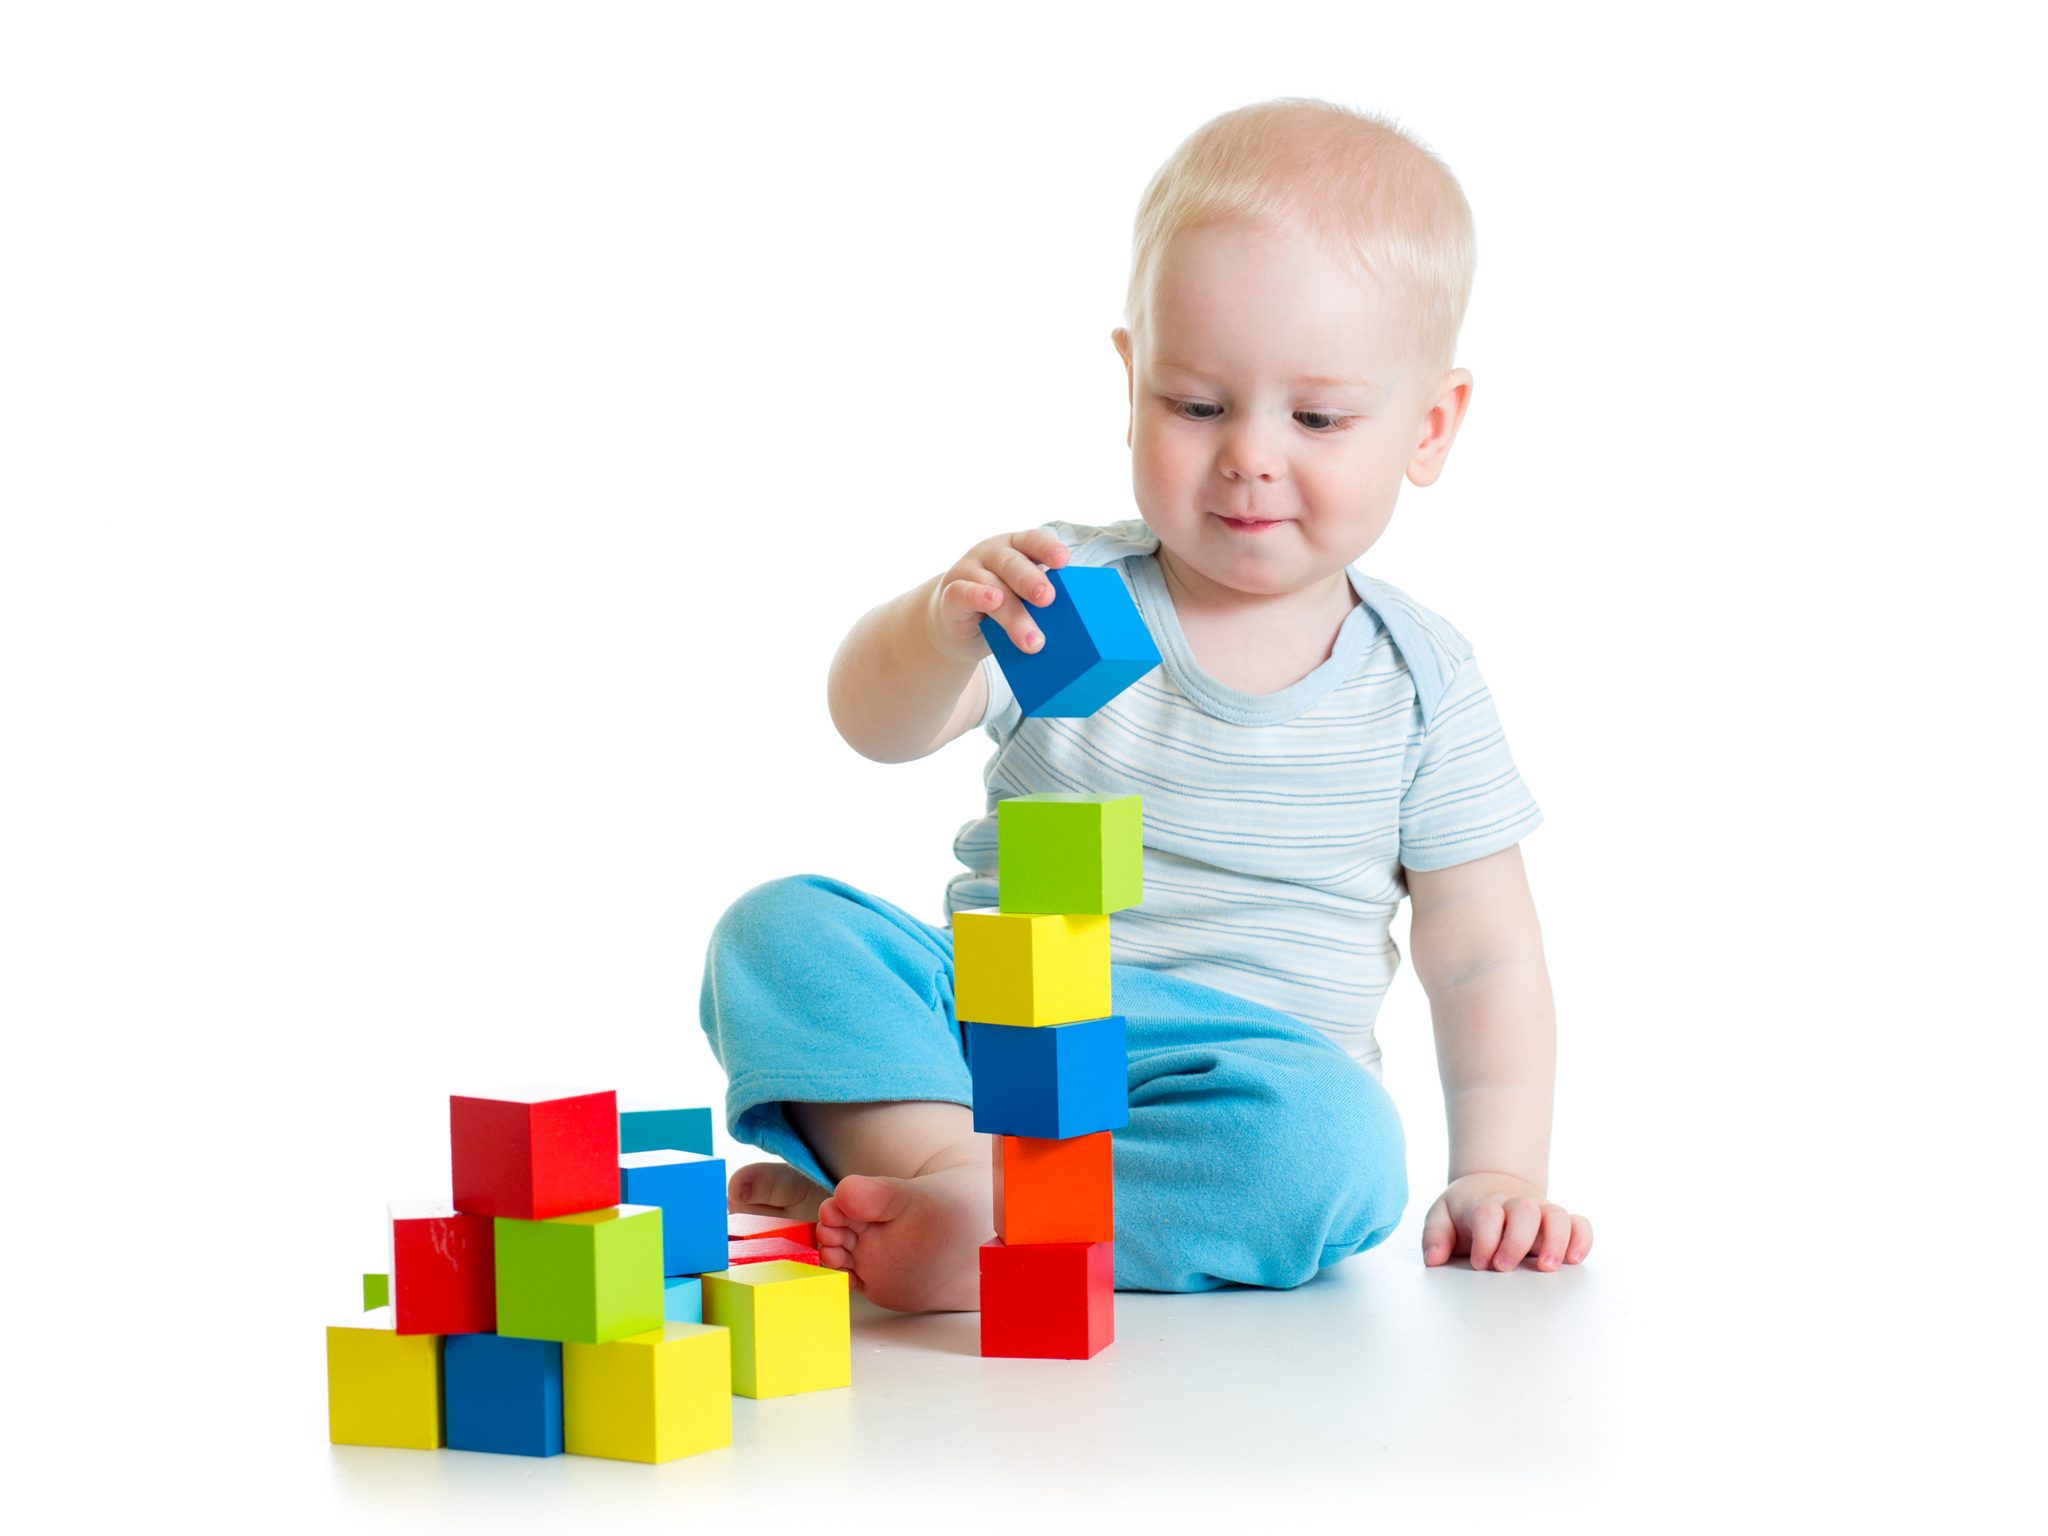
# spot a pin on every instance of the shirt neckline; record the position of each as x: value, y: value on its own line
x: 1155, y: 602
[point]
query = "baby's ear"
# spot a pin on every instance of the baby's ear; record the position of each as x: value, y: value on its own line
x: 1121, y: 338
x: 1439, y: 427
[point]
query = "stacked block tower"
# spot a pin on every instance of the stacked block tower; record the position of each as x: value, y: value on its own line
x: 1032, y: 994
x: 580, y: 1293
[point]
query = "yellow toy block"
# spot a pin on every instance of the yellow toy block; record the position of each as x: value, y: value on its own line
x: 1029, y: 967
x: 383, y: 1386
x: 791, y: 1326
x: 651, y: 1396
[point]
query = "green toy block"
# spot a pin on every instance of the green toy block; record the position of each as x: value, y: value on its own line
x: 582, y: 1279
x: 1081, y: 854
x: 376, y: 1292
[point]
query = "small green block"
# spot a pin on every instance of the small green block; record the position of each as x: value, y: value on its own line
x: 1078, y: 854
x: 376, y: 1292
x: 582, y: 1279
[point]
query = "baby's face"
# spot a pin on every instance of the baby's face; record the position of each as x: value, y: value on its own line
x: 1275, y: 408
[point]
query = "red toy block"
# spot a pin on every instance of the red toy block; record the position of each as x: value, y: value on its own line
x: 1054, y: 1191
x: 535, y: 1154
x: 1047, y: 1301
x: 758, y: 1250
x: 740, y: 1224
x: 444, y: 1269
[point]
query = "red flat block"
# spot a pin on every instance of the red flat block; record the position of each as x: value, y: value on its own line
x: 740, y: 1224
x: 532, y: 1155
x: 444, y: 1270
x: 758, y: 1250
x: 1047, y: 1301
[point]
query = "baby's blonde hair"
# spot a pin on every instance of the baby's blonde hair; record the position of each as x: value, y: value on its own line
x: 1366, y: 191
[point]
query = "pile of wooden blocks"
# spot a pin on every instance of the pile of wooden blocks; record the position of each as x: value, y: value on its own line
x: 585, y: 1291
x: 1031, y: 991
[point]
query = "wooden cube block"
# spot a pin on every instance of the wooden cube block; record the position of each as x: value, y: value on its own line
x: 502, y: 1395
x: 649, y: 1127
x: 383, y: 1387
x: 1047, y: 1301
x: 376, y: 1292
x: 763, y: 1250
x: 585, y: 1279
x: 1054, y: 1191
x: 1070, y: 853
x: 1027, y: 968
x: 740, y: 1224
x: 1053, y: 1083
x: 682, y: 1300
x: 791, y: 1326
x: 536, y: 1153
x: 651, y: 1396
x: 690, y: 1189
x: 443, y: 1274
x: 1096, y: 645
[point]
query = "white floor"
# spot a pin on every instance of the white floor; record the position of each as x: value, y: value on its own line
x: 1376, y: 1372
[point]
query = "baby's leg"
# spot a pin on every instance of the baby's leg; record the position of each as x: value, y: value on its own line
x: 831, y: 1012
x: 1258, y: 1153
x: 913, y: 1202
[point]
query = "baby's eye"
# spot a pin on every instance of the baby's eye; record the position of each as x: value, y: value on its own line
x: 1202, y: 410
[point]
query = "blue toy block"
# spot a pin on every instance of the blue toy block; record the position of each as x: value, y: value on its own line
x: 682, y: 1300
x: 502, y: 1395
x: 1051, y: 1081
x: 691, y: 1193
x: 1095, y: 647
x: 656, y: 1130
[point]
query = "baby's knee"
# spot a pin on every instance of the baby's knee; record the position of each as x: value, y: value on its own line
x: 768, y: 914
x: 1337, y: 1169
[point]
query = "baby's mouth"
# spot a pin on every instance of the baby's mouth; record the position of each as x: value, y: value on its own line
x: 1249, y: 524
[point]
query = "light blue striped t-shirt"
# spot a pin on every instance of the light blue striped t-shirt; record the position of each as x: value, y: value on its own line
x: 1277, y: 825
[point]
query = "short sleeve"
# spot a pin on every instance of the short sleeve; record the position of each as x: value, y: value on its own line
x: 1464, y: 798
x: 1001, y: 715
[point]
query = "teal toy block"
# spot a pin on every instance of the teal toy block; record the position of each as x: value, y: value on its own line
x: 691, y: 1193
x: 582, y: 1279
x: 1095, y: 647
x: 1082, y: 854
x: 645, y: 1127
x: 682, y: 1299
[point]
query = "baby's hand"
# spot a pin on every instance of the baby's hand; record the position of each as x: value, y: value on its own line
x: 994, y: 578
x: 1501, y: 1220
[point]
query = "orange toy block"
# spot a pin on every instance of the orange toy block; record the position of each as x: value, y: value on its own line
x: 1054, y: 1191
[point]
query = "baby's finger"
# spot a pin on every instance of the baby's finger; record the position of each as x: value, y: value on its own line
x: 1582, y: 1241
x: 1042, y: 545
x: 1557, y: 1231
x: 1485, y: 1222
x: 1016, y: 622
x: 1439, y: 1233
x: 970, y: 596
x: 1525, y: 1219
x: 1023, y: 575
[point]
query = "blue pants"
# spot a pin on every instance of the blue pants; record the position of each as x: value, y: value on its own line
x: 1258, y: 1153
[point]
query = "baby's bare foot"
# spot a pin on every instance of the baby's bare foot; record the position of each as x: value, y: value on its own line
x: 911, y: 1245
x: 773, y: 1189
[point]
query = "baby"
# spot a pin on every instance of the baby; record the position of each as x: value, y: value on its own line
x: 1314, y: 745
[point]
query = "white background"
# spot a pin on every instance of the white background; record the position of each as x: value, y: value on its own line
x: 442, y: 446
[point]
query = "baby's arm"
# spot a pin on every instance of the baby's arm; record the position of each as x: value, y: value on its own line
x: 907, y: 678
x: 1479, y: 954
